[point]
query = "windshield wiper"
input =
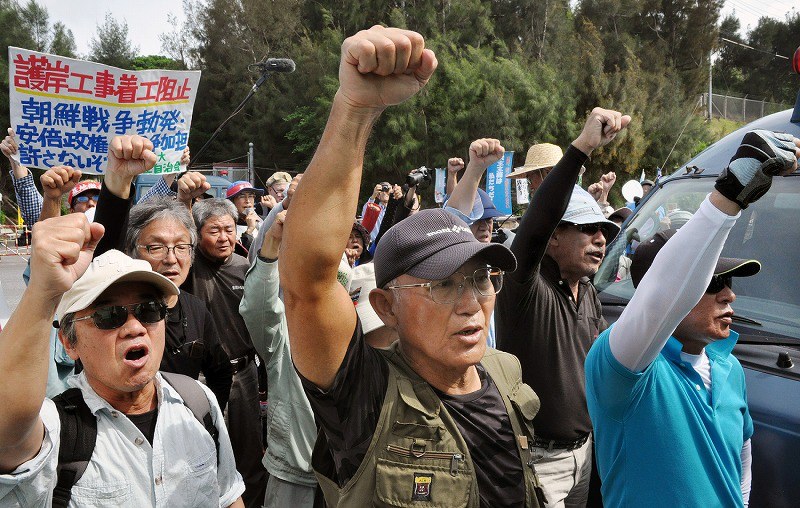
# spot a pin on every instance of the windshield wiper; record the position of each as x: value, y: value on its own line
x: 746, y: 320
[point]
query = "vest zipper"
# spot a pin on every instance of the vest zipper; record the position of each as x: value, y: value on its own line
x: 454, y: 458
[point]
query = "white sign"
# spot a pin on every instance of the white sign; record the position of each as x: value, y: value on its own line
x: 440, y: 189
x: 65, y: 111
x: 522, y: 191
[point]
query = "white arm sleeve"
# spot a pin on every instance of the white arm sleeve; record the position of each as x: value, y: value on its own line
x: 671, y: 287
x: 747, y: 476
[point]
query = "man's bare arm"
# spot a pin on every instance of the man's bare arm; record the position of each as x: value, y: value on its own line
x: 379, y: 67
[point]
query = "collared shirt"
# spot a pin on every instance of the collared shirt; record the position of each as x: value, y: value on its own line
x: 664, y: 436
x: 291, y: 428
x: 28, y: 198
x: 540, y: 322
x: 179, y: 469
x: 159, y: 189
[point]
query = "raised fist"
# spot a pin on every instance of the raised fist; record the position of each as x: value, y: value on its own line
x: 58, y: 181
x: 62, y: 250
x: 485, y: 152
x: 383, y: 66
x: 761, y: 155
x: 191, y: 185
x: 601, y: 127
x: 9, y: 145
x: 291, y: 190
x: 607, y: 181
x: 129, y: 156
x: 455, y: 164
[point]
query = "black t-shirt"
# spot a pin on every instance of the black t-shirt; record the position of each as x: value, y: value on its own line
x: 146, y: 423
x: 348, y: 414
x: 221, y: 287
x: 192, y: 345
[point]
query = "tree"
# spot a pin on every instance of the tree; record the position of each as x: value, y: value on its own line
x: 37, y: 21
x: 110, y: 45
x: 63, y: 42
x: 141, y: 63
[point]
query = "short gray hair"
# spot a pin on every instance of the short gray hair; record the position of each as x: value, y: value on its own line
x: 163, y: 207
x: 210, y: 208
x: 67, y: 326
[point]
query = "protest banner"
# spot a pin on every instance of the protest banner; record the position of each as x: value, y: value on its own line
x: 522, y: 191
x: 65, y: 111
x: 440, y: 186
x: 498, y: 187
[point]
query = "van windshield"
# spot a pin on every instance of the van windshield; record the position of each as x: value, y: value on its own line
x: 767, y: 231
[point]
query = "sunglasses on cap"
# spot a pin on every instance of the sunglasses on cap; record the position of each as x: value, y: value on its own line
x: 718, y: 283
x: 85, y: 199
x: 111, y: 317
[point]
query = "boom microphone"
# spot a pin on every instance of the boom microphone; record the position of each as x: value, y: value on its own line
x: 274, y: 65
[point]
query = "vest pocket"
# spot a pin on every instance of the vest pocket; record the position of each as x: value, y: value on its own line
x: 427, y: 481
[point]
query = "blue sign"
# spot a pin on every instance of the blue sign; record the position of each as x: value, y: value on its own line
x: 498, y: 187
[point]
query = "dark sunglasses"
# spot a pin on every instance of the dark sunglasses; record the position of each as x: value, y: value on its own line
x: 85, y: 199
x: 114, y: 316
x: 590, y: 229
x: 718, y: 283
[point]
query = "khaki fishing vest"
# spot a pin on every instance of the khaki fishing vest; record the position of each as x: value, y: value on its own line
x: 417, y: 456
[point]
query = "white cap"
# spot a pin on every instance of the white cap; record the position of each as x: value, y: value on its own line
x: 583, y: 209
x: 364, y: 282
x: 104, y: 271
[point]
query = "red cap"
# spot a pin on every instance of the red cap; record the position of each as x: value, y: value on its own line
x: 82, y: 187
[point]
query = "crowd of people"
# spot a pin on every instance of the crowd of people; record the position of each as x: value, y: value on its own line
x: 404, y: 357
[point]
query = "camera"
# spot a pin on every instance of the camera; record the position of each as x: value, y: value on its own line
x: 420, y: 177
x: 385, y: 187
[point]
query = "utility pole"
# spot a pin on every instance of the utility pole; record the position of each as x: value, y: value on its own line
x: 710, y: 73
x: 250, y: 166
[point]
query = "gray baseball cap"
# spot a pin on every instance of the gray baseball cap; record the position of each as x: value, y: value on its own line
x: 433, y: 244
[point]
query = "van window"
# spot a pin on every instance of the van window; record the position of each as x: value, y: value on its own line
x: 766, y: 231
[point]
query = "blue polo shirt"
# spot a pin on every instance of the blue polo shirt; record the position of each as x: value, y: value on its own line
x: 661, y: 438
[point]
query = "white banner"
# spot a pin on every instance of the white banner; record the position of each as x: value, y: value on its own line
x: 66, y: 111
x: 522, y: 191
x: 441, y: 185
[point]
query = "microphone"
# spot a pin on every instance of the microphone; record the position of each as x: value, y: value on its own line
x: 274, y: 65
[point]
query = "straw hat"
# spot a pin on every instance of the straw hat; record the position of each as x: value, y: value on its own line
x: 543, y: 155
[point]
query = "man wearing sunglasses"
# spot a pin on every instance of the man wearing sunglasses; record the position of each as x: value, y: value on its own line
x: 149, y: 449
x: 666, y: 396
x: 436, y: 418
x: 549, y: 314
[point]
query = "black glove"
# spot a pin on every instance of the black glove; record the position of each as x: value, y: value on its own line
x: 762, y: 155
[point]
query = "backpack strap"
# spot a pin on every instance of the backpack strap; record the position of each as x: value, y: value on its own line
x: 78, y: 437
x: 196, y: 400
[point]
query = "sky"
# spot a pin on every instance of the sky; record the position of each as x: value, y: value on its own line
x: 147, y: 19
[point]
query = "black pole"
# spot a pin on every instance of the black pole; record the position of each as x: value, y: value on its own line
x: 236, y: 111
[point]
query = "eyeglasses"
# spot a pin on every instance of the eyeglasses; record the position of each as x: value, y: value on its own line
x: 85, y: 199
x: 114, y: 316
x: 159, y: 252
x: 485, y: 282
x: 718, y: 283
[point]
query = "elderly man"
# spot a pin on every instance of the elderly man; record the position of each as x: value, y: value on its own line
x: 217, y: 278
x: 243, y: 195
x: 666, y: 395
x: 435, y: 418
x: 539, y: 161
x: 549, y: 314
x: 149, y: 448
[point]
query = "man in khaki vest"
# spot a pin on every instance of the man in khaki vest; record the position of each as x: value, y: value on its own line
x: 436, y: 419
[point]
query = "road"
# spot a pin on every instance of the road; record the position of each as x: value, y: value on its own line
x: 11, y: 284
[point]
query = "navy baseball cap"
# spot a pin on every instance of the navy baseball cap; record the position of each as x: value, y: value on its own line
x: 489, y: 210
x: 646, y: 252
x: 433, y: 244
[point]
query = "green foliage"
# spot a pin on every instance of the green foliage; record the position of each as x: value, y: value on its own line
x: 756, y: 73
x: 141, y: 63
x: 63, y: 42
x: 110, y: 45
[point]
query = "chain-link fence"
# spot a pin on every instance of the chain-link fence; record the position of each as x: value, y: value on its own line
x: 740, y: 109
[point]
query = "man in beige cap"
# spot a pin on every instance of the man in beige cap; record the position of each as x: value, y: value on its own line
x: 149, y: 449
x: 540, y: 160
